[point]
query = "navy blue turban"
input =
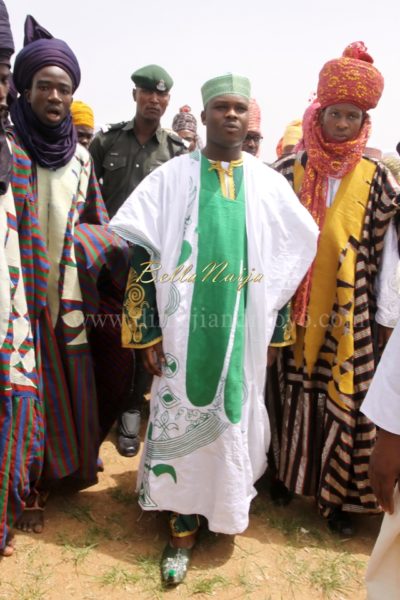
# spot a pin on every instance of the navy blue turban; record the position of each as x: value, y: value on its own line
x: 40, y: 50
x: 6, y: 39
x: 50, y: 147
x: 44, y: 53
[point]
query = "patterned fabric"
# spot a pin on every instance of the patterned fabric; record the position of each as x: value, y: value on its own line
x: 350, y: 80
x: 103, y: 266
x: 21, y: 455
x: 208, y: 420
x: 34, y: 258
x: 140, y: 320
x: 254, y: 116
x: 184, y: 120
x: 183, y: 525
x: 71, y: 215
x: 285, y: 330
x: 225, y: 84
x: 325, y: 159
x: 326, y: 443
x: 23, y: 269
x: 357, y: 50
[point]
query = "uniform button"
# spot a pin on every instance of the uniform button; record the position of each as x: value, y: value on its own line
x: 111, y: 164
x: 137, y: 165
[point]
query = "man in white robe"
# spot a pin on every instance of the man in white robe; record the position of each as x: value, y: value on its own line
x: 229, y: 243
x: 382, y: 406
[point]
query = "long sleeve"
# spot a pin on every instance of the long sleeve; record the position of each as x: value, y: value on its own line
x: 387, y: 285
x: 382, y: 402
x: 284, y: 333
x: 96, y: 246
x: 140, y: 322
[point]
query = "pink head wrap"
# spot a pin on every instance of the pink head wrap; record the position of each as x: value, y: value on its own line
x: 254, y: 116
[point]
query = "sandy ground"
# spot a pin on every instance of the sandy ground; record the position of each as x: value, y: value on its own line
x: 97, y: 545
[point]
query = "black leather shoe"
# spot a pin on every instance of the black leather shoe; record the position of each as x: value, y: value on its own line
x: 128, y: 440
x: 280, y: 495
x: 341, y: 522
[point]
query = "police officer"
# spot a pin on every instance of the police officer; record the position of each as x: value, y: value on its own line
x: 123, y: 154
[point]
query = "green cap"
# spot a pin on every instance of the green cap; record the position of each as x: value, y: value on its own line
x: 226, y: 84
x: 153, y: 77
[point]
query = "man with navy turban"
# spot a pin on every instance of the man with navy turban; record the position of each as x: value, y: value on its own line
x: 72, y: 219
x: 51, y: 142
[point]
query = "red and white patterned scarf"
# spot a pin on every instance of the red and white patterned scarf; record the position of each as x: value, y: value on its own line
x: 324, y: 160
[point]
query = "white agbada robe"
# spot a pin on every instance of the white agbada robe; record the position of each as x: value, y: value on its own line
x: 195, y: 460
x: 382, y: 406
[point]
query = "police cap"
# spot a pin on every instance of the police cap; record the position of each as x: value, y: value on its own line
x: 153, y: 77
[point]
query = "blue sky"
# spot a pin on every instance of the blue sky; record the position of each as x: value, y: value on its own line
x: 280, y: 46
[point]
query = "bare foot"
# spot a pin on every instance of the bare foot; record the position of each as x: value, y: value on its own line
x: 32, y: 519
x: 9, y: 548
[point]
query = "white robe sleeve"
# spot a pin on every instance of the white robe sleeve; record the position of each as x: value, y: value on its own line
x: 289, y: 234
x: 382, y: 402
x: 139, y: 220
x: 387, y: 286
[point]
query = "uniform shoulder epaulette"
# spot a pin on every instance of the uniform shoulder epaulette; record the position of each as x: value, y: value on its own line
x: 113, y: 126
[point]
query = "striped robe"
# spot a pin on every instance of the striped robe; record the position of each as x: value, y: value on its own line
x: 73, y: 222
x: 23, y: 274
x: 323, y: 448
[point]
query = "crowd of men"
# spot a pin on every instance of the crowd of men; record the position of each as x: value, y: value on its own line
x: 254, y: 301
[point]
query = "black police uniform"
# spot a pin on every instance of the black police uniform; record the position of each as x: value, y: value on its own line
x: 121, y: 162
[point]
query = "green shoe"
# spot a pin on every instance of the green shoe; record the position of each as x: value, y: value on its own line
x: 174, y: 564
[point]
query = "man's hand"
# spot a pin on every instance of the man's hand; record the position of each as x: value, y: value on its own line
x: 272, y: 355
x: 384, y: 468
x: 384, y: 334
x: 153, y: 358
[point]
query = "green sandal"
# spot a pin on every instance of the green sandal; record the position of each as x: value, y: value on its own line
x: 174, y: 564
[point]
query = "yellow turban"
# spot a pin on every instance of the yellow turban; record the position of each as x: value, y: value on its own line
x: 293, y: 134
x: 393, y: 164
x: 82, y: 114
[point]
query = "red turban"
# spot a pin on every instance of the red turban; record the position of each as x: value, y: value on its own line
x: 351, y: 78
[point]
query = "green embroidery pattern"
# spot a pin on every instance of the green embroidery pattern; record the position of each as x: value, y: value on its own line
x: 174, y: 299
x: 221, y: 236
x: 171, y: 367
